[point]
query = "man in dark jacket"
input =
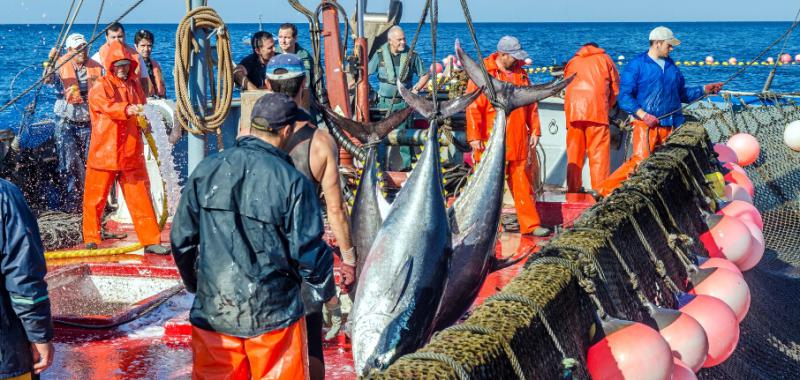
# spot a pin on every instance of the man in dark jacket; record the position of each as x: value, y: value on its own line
x: 25, y: 325
x: 652, y: 90
x: 246, y: 234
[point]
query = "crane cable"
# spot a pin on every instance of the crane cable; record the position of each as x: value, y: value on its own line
x: 185, y: 46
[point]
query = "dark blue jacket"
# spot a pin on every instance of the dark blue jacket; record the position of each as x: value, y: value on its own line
x: 247, y: 232
x: 658, y: 92
x: 24, y: 305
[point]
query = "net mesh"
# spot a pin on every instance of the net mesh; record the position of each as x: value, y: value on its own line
x: 650, y: 225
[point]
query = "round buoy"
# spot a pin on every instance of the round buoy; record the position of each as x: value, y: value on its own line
x: 718, y: 262
x: 726, y: 285
x: 757, y: 247
x: 528, y: 61
x: 727, y: 237
x: 629, y: 350
x: 786, y: 58
x: 744, y: 211
x: 746, y: 147
x: 732, y: 61
x: 622, y: 57
x: 437, y: 67
x: 718, y: 321
x: 734, y: 192
x: 740, y: 178
x: 685, y: 336
x: 725, y: 153
x: 709, y: 59
x: 681, y: 371
x: 791, y: 135
x: 734, y: 167
x: 770, y: 60
x: 797, y: 58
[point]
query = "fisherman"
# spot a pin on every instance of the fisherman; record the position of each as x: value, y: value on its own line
x: 652, y: 90
x: 116, y: 151
x: 144, y: 40
x: 74, y: 78
x: 25, y: 325
x: 249, y: 73
x: 287, y: 43
x: 246, y: 234
x: 116, y: 32
x: 522, y: 134
x: 588, y: 100
x: 390, y: 62
x: 315, y: 154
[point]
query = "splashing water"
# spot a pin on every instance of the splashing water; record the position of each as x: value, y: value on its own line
x: 156, y: 112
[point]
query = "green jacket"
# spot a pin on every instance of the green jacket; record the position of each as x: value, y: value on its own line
x: 305, y: 57
x: 388, y: 70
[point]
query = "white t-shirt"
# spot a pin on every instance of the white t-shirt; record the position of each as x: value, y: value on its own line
x: 661, y: 62
x: 142, y: 67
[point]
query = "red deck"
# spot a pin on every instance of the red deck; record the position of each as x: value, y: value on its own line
x: 155, y: 346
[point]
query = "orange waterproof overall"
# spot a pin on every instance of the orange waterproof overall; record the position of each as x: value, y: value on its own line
x: 116, y: 151
x: 586, y: 104
x: 645, y: 140
x: 279, y: 354
x: 522, y: 122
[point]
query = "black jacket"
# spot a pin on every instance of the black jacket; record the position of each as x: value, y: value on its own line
x: 246, y: 233
x: 24, y: 305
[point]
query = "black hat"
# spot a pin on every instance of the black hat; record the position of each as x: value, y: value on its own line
x: 273, y: 111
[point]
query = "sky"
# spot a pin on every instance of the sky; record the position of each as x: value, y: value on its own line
x: 274, y: 11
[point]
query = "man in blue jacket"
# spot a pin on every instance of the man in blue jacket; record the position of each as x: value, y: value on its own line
x: 247, y: 233
x: 652, y: 89
x: 25, y: 325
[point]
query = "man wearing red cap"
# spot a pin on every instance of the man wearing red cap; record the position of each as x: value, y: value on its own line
x: 116, y: 150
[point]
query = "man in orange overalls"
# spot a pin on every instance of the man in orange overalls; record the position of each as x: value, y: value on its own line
x: 116, y: 150
x: 522, y: 133
x: 588, y: 99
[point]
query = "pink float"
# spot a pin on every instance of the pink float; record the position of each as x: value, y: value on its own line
x: 757, y: 247
x: 744, y: 211
x: 718, y: 262
x: 685, y: 336
x: 741, y: 179
x: 726, y: 285
x: 746, y: 147
x: 727, y: 237
x: 681, y: 371
x: 725, y: 153
x: 629, y: 350
x: 735, y: 192
x: 719, y: 323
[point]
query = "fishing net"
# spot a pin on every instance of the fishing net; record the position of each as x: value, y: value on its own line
x: 638, y: 244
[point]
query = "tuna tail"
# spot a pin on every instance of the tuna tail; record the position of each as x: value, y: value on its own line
x: 500, y: 264
x: 446, y: 108
x: 367, y: 132
x: 508, y: 96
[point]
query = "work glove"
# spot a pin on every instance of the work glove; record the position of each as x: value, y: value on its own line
x: 713, y: 88
x: 650, y: 120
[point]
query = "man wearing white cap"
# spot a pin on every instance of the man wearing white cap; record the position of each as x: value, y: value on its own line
x: 75, y: 77
x: 652, y: 89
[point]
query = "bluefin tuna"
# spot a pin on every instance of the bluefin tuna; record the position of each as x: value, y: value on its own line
x: 405, y: 272
x: 475, y: 215
x: 369, y: 207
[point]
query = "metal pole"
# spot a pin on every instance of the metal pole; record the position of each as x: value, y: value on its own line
x: 362, y: 87
x: 360, y: 6
x: 197, y: 92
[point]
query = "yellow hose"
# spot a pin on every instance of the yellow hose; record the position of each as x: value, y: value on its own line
x: 162, y: 219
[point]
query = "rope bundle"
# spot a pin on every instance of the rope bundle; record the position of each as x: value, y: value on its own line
x: 222, y: 94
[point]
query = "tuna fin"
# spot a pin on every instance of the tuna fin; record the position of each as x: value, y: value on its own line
x: 400, y: 283
x: 446, y: 108
x: 509, y: 96
x: 500, y: 264
x: 366, y: 132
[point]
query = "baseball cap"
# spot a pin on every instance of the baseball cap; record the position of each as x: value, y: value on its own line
x: 273, y: 111
x: 75, y: 40
x: 510, y: 45
x: 122, y: 62
x: 662, y: 33
x: 285, y: 66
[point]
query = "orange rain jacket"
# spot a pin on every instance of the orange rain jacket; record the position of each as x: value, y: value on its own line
x: 521, y: 123
x: 116, y: 142
x: 595, y: 87
x: 68, y: 77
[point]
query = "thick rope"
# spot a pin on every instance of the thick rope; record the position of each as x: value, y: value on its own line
x: 435, y: 356
x: 586, y: 284
x: 71, y: 254
x: 185, y: 46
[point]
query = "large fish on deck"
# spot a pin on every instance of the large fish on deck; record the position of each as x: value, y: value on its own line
x: 475, y: 215
x: 369, y: 207
x: 404, y: 275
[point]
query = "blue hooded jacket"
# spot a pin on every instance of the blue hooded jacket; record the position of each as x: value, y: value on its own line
x: 658, y: 92
x: 24, y: 304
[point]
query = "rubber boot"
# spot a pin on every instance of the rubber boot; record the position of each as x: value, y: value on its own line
x: 336, y: 321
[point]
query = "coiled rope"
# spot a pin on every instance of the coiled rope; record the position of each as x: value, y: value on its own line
x: 185, y: 46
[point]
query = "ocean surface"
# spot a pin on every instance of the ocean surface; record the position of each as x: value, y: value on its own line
x: 24, y: 47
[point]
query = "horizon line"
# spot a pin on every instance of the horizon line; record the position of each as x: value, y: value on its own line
x: 455, y: 22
